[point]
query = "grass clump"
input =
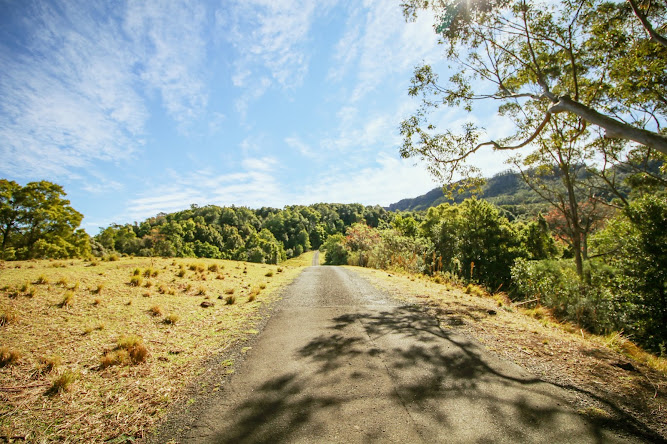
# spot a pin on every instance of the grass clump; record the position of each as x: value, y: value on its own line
x: 42, y: 280
x: 130, y: 350
x: 201, y: 291
x: 213, y: 268
x: 49, y: 364
x: 180, y: 273
x: 229, y: 300
x: 150, y: 272
x: 269, y: 274
x: 172, y: 318
x: 229, y: 291
x: 7, y: 317
x: 9, y: 356
x: 63, y: 382
x: 156, y: 310
x: 136, y: 272
x: 475, y: 290
x: 89, y: 330
x: 98, y: 289
x: 136, y: 281
x: 68, y: 299
x: 63, y: 282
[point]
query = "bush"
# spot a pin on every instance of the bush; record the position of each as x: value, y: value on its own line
x: 556, y: 285
x: 335, y: 254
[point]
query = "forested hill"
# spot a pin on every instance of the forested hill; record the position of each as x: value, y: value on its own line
x: 506, y: 190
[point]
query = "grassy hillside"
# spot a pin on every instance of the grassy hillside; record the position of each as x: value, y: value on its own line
x: 90, y: 351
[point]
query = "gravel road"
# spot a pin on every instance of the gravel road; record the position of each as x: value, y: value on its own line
x: 339, y: 361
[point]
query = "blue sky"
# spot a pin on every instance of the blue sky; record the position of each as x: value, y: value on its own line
x: 140, y: 107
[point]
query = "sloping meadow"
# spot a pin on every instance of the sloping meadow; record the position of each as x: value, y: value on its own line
x: 91, y: 351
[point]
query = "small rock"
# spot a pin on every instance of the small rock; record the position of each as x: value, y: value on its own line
x: 492, y: 312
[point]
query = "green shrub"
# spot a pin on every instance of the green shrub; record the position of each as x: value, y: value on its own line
x: 556, y: 285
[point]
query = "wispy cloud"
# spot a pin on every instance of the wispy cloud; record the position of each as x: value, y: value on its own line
x: 68, y: 95
x: 173, y: 53
x: 296, y: 143
x: 256, y: 183
x: 270, y: 38
x: 385, y: 46
x: 384, y: 182
x: 71, y: 84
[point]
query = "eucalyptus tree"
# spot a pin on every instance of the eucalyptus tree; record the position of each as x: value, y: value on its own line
x: 602, y: 63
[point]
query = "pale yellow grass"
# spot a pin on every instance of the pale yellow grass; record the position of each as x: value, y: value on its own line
x: 104, y: 403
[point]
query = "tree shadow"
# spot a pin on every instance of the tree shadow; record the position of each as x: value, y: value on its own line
x: 435, y: 374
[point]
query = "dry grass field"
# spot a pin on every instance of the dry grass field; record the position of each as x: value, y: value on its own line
x: 92, y: 351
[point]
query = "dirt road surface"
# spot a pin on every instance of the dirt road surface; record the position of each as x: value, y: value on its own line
x: 339, y: 361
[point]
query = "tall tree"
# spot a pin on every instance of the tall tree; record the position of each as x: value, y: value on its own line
x: 590, y: 59
x: 39, y: 215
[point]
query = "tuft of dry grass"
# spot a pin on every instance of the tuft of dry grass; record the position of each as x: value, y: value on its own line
x: 269, y: 274
x: 136, y: 281
x: 229, y: 300
x: 229, y: 291
x: 180, y: 273
x: 213, y: 268
x: 9, y: 356
x: 49, y: 363
x: 63, y: 382
x: 130, y: 350
x: 156, y: 310
x: 98, y: 289
x: 7, y: 317
x: 42, y: 280
x: 475, y: 290
x: 68, y: 299
x: 172, y: 318
x: 201, y: 291
x: 63, y: 282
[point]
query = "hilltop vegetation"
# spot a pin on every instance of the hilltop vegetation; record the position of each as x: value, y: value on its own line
x: 265, y: 235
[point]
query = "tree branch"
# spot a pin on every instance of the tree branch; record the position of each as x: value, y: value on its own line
x: 653, y: 35
x: 614, y: 129
x: 532, y: 137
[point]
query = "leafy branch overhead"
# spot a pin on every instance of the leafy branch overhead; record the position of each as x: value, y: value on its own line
x: 601, y: 63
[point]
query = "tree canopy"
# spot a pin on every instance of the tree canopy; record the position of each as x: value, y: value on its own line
x: 37, y: 222
x: 602, y: 63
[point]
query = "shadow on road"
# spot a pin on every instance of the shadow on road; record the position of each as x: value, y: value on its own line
x: 442, y: 379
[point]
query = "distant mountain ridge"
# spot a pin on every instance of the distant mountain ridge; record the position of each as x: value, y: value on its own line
x: 506, y: 190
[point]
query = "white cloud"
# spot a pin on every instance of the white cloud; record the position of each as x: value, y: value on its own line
x: 254, y: 185
x: 71, y: 91
x: 173, y: 52
x: 387, y: 181
x: 296, y: 143
x: 387, y: 45
x: 68, y: 95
